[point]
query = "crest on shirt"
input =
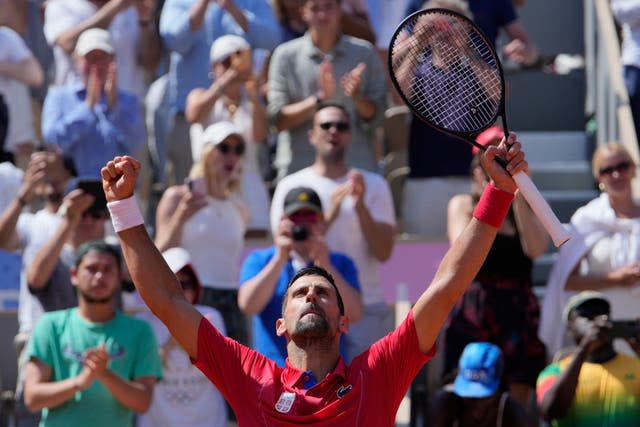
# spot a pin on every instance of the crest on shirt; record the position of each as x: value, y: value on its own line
x: 285, y: 402
x: 342, y: 391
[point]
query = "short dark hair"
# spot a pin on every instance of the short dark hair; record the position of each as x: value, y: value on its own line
x: 327, y: 104
x: 314, y: 270
x: 99, y: 246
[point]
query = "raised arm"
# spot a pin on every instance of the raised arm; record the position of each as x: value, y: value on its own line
x: 158, y: 286
x: 467, y: 253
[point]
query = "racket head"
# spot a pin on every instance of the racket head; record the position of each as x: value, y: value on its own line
x: 447, y: 72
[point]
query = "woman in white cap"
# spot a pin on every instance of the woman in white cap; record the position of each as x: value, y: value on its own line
x: 206, y: 217
x: 184, y: 397
x: 234, y: 96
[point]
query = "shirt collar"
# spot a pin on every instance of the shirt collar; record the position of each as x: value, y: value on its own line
x: 294, y: 378
x: 340, y: 49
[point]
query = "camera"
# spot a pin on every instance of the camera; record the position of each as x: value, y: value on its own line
x: 300, y: 232
x: 624, y: 328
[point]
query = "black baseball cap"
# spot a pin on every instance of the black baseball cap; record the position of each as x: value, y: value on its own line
x: 302, y: 198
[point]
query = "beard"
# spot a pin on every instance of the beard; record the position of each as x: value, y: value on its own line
x: 93, y: 300
x: 312, y: 326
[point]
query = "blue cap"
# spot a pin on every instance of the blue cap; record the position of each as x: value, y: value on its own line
x: 479, y: 370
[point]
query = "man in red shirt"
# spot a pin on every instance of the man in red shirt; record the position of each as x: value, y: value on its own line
x: 316, y: 387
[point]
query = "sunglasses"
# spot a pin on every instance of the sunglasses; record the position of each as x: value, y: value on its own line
x: 225, y: 148
x: 340, y: 126
x: 620, y: 167
x: 305, y: 217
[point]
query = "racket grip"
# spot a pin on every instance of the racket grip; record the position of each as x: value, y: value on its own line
x: 541, y: 208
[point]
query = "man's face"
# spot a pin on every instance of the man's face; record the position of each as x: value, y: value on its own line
x: 311, y: 310
x: 331, y: 133
x: 98, y: 60
x: 322, y: 15
x: 586, y: 316
x: 97, y: 277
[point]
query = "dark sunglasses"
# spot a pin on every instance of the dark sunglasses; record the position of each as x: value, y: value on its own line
x: 620, y: 167
x: 305, y: 217
x: 340, y: 126
x: 225, y: 148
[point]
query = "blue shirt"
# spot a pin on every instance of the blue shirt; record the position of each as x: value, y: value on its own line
x: 91, y: 137
x: 265, y: 339
x: 190, y: 67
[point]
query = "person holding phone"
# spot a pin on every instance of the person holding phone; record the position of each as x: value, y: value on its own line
x: 234, y: 96
x: 207, y: 217
x: 265, y: 273
x: 593, y: 385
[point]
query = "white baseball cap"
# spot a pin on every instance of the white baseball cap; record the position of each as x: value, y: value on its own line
x: 225, y: 45
x: 218, y: 132
x: 94, y: 39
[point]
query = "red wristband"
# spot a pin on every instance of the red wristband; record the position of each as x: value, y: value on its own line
x: 493, y: 206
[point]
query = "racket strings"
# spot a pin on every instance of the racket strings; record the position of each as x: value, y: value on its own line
x: 450, y: 73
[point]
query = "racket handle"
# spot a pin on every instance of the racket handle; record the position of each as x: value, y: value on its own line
x: 541, y: 208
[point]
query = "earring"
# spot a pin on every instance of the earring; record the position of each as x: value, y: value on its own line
x: 602, y: 187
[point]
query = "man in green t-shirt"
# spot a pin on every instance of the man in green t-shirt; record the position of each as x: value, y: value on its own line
x: 91, y: 365
x: 593, y: 386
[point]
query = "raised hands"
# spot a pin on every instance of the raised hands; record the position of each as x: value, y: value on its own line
x: 326, y: 81
x: 509, y: 150
x: 352, y: 80
x: 119, y: 177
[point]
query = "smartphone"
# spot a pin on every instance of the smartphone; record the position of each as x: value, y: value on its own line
x: 625, y: 328
x: 196, y: 186
x: 94, y: 187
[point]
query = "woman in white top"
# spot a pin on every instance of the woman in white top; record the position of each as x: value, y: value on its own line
x: 234, y: 96
x: 206, y: 217
x: 604, y: 252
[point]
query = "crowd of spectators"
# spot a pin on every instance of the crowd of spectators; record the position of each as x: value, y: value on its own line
x: 261, y: 118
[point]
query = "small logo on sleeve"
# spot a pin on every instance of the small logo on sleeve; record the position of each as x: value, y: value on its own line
x: 285, y: 402
x: 342, y: 391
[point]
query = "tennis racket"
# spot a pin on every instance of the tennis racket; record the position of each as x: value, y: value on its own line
x: 450, y: 76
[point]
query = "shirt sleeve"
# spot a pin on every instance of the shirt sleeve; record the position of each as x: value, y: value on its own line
x: 39, y: 345
x: 546, y: 379
x: 626, y: 11
x: 252, y: 265
x: 380, y: 200
x: 393, y: 361
x: 279, y: 95
x: 174, y: 27
x: 18, y: 50
x: 263, y: 31
x: 345, y: 265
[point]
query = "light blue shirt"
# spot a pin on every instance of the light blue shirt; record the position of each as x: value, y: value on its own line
x: 91, y: 137
x: 189, y: 67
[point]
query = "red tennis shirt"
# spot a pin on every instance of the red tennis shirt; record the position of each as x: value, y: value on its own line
x: 367, y: 392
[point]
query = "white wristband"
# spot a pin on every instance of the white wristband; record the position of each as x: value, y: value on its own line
x: 125, y: 214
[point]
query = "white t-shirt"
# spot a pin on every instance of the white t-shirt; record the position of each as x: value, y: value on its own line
x: 184, y: 397
x: 61, y: 15
x: 16, y: 94
x: 214, y: 236
x: 34, y: 231
x: 345, y: 234
x: 10, y: 181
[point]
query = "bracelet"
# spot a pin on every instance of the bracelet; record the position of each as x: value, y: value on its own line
x: 493, y: 206
x: 144, y: 23
x: 125, y: 214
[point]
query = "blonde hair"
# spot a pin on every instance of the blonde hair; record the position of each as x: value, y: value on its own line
x: 200, y: 169
x: 460, y: 6
x: 612, y: 147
